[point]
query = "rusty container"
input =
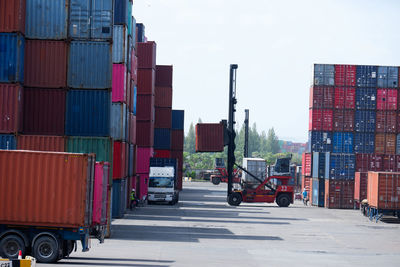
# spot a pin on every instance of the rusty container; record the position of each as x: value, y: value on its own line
x: 384, y: 190
x: 11, y: 102
x: 12, y: 16
x: 360, y: 186
x: 41, y: 143
x: 209, y: 137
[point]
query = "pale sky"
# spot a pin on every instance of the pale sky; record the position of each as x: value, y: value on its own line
x: 275, y: 44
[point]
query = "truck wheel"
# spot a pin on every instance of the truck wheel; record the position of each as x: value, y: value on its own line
x: 45, y: 249
x: 216, y: 180
x: 235, y: 199
x: 10, y: 247
x: 283, y: 200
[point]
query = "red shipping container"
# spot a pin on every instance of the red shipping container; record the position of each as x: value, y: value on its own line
x: 45, y: 64
x: 119, y: 160
x: 163, y: 97
x: 343, y: 120
x: 209, y: 137
x: 12, y: 16
x: 178, y: 154
x: 321, y: 120
x: 386, y: 99
x: 41, y: 143
x: 163, y: 75
x: 145, y: 133
x: 158, y: 153
x: 143, y: 159
x: 345, y: 75
x: 369, y: 162
x: 389, y: 163
x: 306, y: 164
x: 132, y: 128
x: 143, y: 185
x: 386, y: 121
x: 339, y: 194
x: 146, y: 53
x: 321, y: 97
x: 177, y: 139
x: 44, y: 111
x: 145, y: 81
x: 145, y: 108
x: 360, y: 186
x: 163, y: 118
x: 385, y: 143
x: 345, y: 98
x: 383, y: 190
x: 11, y: 103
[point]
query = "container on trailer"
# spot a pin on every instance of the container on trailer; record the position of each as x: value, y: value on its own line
x: 343, y: 120
x: 321, y: 120
x: 386, y: 99
x: 144, y: 133
x: 178, y: 119
x: 145, y: 81
x: 345, y: 98
x: 366, y: 98
x: 68, y: 185
x: 324, y: 74
x: 163, y: 97
x: 13, y: 14
x: 320, y: 165
x: 320, y: 141
x: 177, y: 139
x: 342, y: 142
x: 162, y: 138
x: 388, y: 77
x: 146, y: 53
x: 345, y: 75
x: 143, y: 159
x: 11, y: 102
x: 8, y: 142
x: 385, y: 143
x: 41, y: 143
x: 366, y: 76
x: 318, y: 192
x: 145, y: 108
x: 119, y: 90
x: 120, y: 44
x: 164, y: 75
x: 100, y: 193
x: 365, y: 121
x: 119, y: 158
x: 306, y: 164
x: 386, y: 121
x: 118, y: 121
x: 364, y: 143
x: 383, y: 190
x: 162, y: 118
x: 360, y: 186
x: 209, y: 137
x: 342, y: 166
x: 339, y: 194
x: 12, y: 49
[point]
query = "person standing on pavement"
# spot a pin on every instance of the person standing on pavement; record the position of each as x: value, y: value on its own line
x: 133, y: 199
x: 305, y: 197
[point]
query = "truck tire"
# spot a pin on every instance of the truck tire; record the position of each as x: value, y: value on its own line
x: 10, y: 247
x: 235, y: 199
x: 45, y: 249
x: 215, y: 180
x: 283, y: 200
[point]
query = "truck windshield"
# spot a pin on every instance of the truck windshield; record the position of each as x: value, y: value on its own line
x: 161, y: 182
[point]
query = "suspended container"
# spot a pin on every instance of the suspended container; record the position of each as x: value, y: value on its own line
x: 209, y: 137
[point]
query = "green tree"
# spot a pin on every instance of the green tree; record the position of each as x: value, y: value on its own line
x: 190, y: 140
x: 272, y: 142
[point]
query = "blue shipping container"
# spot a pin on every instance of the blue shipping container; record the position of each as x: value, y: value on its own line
x: 129, y: 54
x: 8, y: 142
x: 134, y: 99
x: 90, y: 65
x: 366, y: 98
x: 12, y: 49
x: 116, y: 199
x: 131, y: 160
x: 88, y: 113
x: 320, y: 165
x: 342, y: 166
x: 162, y: 138
x: 398, y: 144
x: 46, y: 19
x: 364, y: 121
x: 342, y: 142
x: 318, y: 192
x: 319, y: 141
x: 388, y: 77
x: 133, y: 33
x: 364, y: 143
x: 366, y: 76
x: 178, y: 119
x: 141, y: 32
x: 91, y: 19
x: 324, y: 74
x: 118, y: 121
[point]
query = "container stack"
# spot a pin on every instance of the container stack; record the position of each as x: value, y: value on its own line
x: 177, y: 141
x: 353, y: 127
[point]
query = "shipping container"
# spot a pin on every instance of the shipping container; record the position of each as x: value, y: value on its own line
x: 88, y: 113
x: 146, y: 53
x: 119, y: 158
x: 140, y: 33
x: 306, y: 164
x: 178, y: 155
x: 120, y: 44
x: 12, y: 57
x: 160, y: 153
x: 209, y: 137
x: 320, y: 141
x: 44, y: 111
x: 398, y: 144
x: 134, y: 99
x: 342, y: 166
x: 121, y: 11
x: 143, y: 185
x: 89, y: 65
x: 178, y: 119
x: 164, y: 76
x: 369, y: 162
x: 118, y: 121
x: 386, y: 121
x: 128, y: 91
x: 386, y: 99
x: 134, y: 65
x: 322, y: 96
x: 177, y: 139
x: 364, y: 143
x: 132, y: 128
x: 385, y: 143
x: 145, y: 81
x: 343, y: 120
x: 365, y: 121
x: 143, y: 159
x: 366, y: 76
x: 320, y: 165
x: 45, y: 64
x: 339, y: 194
x: 46, y: 19
x: 12, y: 16
x: 360, y: 186
x: 162, y: 118
x: 41, y: 143
x: 119, y: 196
x: 389, y: 163
x: 144, y: 133
x: 366, y: 98
x: 321, y: 120
x: 324, y: 74
x: 163, y: 97
x: 145, y: 108
x: 133, y: 32
x: 345, y: 98
x: 11, y: 104
x: 58, y: 196
x: 129, y: 54
x: 342, y: 142
x: 119, y: 77
x: 383, y: 190
x: 90, y: 19
x: 8, y: 142
x: 162, y: 138
x: 318, y: 192
x: 131, y: 160
x: 345, y: 75
x: 388, y: 77
x: 100, y: 193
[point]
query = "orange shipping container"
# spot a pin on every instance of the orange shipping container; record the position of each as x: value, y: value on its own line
x: 385, y: 143
x: 209, y: 137
x: 384, y: 190
x: 46, y: 188
x: 41, y: 143
x: 360, y: 186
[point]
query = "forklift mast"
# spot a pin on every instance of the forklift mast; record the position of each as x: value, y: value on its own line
x: 231, y: 125
x: 246, y: 134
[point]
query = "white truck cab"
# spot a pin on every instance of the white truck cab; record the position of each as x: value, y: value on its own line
x: 162, y: 185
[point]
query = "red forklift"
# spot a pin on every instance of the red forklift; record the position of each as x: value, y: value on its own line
x: 221, y: 174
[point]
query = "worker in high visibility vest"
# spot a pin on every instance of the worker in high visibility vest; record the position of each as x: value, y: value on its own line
x: 133, y: 199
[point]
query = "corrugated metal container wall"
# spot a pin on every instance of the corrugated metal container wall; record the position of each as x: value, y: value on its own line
x: 143, y: 159
x: 121, y: 11
x: 178, y: 119
x: 163, y: 97
x: 398, y: 144
x: 385, y: 143
x: 119, y: 90
x: 321, y: 96
x: 209, y: 137
x: 342, y: 142
x: 160, y: 153
x: 383, y: 190
x: 129, y: 54
x: 133, y: 33
x: 366, y: 76
x: 44, y: 111
x: 343, y: 120
x: 342, y: 166
x: 100, y: 194
x: 389, y: 163
x: 345, y: 75
x: 88, y: 113
x: 120, y: 44
x: 131, y: 160
x: 321, y: 120
x: 364, y: 143
x: 386, y: 121
x: 386, y: 99
x: 345, y: 98
x: 145, y: 133
x: 89, y: 65
x: 118, y: 121
x: 41, y: 143
x: 46, y: 19
x: 132, y: 128
x: 339, y: 194
x: 360, y: 186
x: 46, y: 64
x: 101, y: 146
x: 134, y: 99
x: 366, y: 98
x: 365, y: 121
x: 320, y: 165
x: 306, y: 183
x: 164, y: 76
x: 163, y: 118
x: 119, y: 158
x: 12, y: 57
x: 178, y: 154
x: 306, y: 164
x: 177, y: 139
x: 324, y: 74
x: 143, y: 185
x: 64, y: 201
x: 388, y: 77
x: 12, y: 16
x: 116, y: 199
x: 162, y: 138
x: 11, y: 103
x: 369, y: 162
x: 128, y: 91
x: 146, y: 53
x: 140, y: 33
x: 320, y: 141
x: 8, y: 142
x: 318, y: 194
x: 145, y: 108
x: 145, y: 81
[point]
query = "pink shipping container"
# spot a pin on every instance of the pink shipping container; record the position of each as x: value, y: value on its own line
x: 321, y: 120
x: 386, y: 99
x: 41, y: 143
x: 12, y: 16
x: 386, y: 121
x: 100, y: 196
x: 345, y: 75
x: 343, y: 120
x: 11, y: 102
x: 144, y: 133
x: 119, y: 83
x: 146, y: 53
x: 143, y: 159
x: 322, y: 97
x: 143, y: 185
x: 132, y: 128
x: 146, y: 81
x: 145, y: 108
x: 345, y: 98
x: 163, y: 97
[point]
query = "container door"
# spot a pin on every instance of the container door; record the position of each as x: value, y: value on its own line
x: 79, y: 19
x: 101, y: 19
x: 327, y: 162
x: 315, y: 165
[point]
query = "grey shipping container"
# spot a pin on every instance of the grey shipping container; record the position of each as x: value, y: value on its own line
x: 320, y: 165
x: 120, y: 44
x: 255, y: 166
x: 118, y: 121
x: 388, y: 77
x: 324, y: 74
